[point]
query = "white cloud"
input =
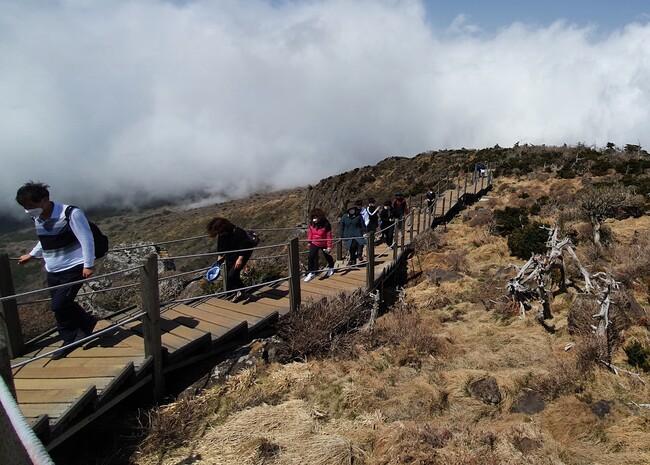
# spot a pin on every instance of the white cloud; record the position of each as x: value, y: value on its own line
x: 148, y: 98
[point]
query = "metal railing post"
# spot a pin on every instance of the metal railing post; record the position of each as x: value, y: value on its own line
x: 370, y: 267
x: 294, y: 275
x: 9, y: 319
x: 150, y: 303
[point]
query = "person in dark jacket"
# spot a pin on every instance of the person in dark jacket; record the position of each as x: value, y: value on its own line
x: 386, y: 223
x: 400, y: 206
x: 231, y: 240
x: 351, y: 229
x: 319, y: 237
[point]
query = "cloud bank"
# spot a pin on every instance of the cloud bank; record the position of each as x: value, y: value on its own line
x: 127, y: 101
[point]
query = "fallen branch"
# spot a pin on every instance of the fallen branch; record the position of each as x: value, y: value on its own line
x: 616, y: 369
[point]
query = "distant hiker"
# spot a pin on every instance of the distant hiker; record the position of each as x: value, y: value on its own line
x: 319, y: 235
x: 163, y: 253
x: 372, y: 214
x: 400, y: 207
x: 351, y: 228
x: 362, y: 210
x: 431, y: 199
x: 480, y: 168
x: 68, y: 250
x: 386, y: 223
x: 232, y: 240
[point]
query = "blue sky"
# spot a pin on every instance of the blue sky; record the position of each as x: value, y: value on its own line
x: 131, y: 100
x: 491, y: 15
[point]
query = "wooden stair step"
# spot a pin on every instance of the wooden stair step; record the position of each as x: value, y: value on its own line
x: 217, y: 328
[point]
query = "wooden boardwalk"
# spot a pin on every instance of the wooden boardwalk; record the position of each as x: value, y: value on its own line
x: 59, y: 397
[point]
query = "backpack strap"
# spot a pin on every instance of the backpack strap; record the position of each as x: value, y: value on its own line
x: 68, y: 211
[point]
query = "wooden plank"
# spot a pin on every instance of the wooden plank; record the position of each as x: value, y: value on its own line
x: 69, y: 372
x: 248, y: 312
x: 73, y: 411
x: 99, y: 352
x: 51, y: 396
x: 65, y: 383
x: 198, y: 344
x: 83, y: 362
x: 213, y: 315
x: 249, y: 309
x: 172, y: 327
x: 116, y: 383
x: 215, y: 329
x: 51, y: 410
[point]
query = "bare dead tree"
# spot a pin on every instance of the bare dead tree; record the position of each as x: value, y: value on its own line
x: 597, y: 203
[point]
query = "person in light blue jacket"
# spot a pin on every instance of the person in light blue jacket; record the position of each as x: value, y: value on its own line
x: 351, y: 230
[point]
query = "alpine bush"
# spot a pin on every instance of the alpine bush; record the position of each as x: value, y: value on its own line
x: 528, y: 240
x: 510, y: 219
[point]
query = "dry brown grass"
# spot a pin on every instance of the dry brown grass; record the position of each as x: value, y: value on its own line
x: 399, y: 394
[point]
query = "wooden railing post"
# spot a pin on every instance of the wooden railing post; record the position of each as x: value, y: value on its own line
x: 339, y: 246
x: 224, y: 273
x: 411, y: 227
x: 150, y: 305
x: 294, y: 275
x: 396, y: 232
x: 9, y: 320
x: 482, y: 180
x: 402, y: 237
x: 475, y: 179
x: 465, y: 188
x: 223, y: 270
x: 420, y: 213
x: 370, y: 267
x: 444, y: 199
x: 5, y: 366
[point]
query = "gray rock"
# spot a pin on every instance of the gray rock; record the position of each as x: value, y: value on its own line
x: 487, y: 390
x: 529, y: 403
x: 602, y: 408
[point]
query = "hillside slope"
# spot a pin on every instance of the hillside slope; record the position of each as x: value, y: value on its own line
x: 452, y: 374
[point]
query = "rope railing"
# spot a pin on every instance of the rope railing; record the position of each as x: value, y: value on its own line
x: 66, y: 285
x: 180, y: 257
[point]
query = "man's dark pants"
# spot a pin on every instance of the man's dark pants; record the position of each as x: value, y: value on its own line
x: 70, y: 316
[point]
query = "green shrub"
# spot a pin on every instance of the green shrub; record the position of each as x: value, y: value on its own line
x: 638, y: 355
x: 510, y: 219
x: 528, y: 240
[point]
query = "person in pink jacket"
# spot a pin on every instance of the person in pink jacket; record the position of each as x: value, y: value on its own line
x: 319, y: 237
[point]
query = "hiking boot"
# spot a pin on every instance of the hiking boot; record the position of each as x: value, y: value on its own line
x: 88, y: 330
x: 330, y: 272
x: 309, y: 277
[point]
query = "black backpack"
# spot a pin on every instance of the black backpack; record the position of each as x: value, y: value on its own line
x: 253, y: 237
x: 101, y: 241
